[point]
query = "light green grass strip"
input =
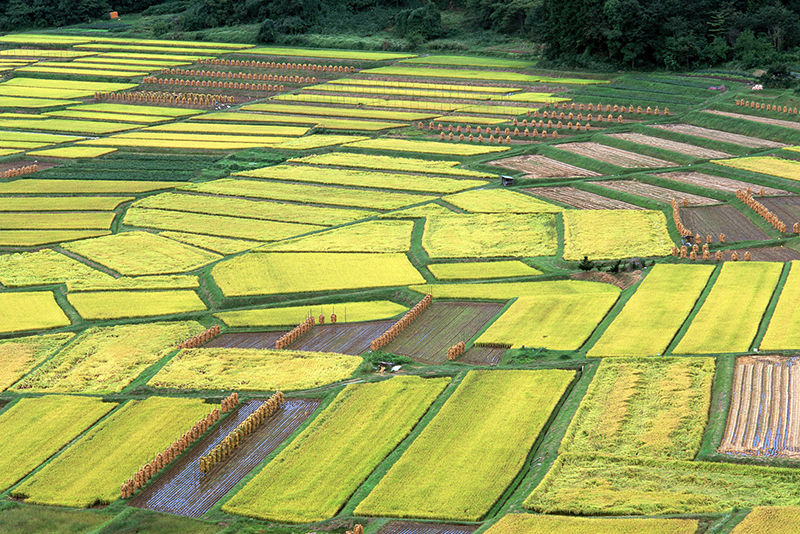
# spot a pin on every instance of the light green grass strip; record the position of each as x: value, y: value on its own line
x: 332, y: 54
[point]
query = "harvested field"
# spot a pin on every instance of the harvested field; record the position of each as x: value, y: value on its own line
x: 673, y: 146
x: 614, y: 156
x: 724, y: 219
x: 410, y: 527
x: 718, y: 135
x: 654, y: 192
x: 246, y: 340
x: 717, y: 182
x: 535, y: 166
x: 765, y: 254
x: 786, y: 208
x: 350, y: 339
x: 184, y: 490
x: 441, y: 326
x: 578, y: 198
x: 483, y: 355
x: 753, y: 118
x: 762, y: 420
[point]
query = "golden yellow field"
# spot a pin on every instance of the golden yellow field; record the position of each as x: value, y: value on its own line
x: 294, y: 315
x: 106, y: 359
x: 126, y: 304
x: 35, y: 310
x: 20, y: 355
x: 253, y: 370
x: 604, y: 234
x: 489, y: 236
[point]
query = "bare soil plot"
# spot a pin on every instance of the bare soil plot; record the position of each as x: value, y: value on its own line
x: 352, y: 338
x: 483, y: 355
x: 753, y: 118
x: 764, y: 417
x: 578, y: 198
x: 40, y: 165
x: 441, y: 326
x: 184, y: 490
x: 718, y: 135
x: 786, y: 208
x: 674, y: 146
x: 410, y: 527
x: 245, y: 340
x: 717, y: 182
x: 654, y: 192
x: 535, y: 166
x: 614, y: 156
x: 723, y: 219
x: 764, y: 254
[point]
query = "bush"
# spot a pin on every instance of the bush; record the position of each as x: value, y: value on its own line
x: 777, y: 76
x: 425, y: 21
x: 267, y: 32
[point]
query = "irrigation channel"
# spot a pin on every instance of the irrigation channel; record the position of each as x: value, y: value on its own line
x: 184, y: 490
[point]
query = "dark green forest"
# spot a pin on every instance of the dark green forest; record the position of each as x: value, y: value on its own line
x: 591, y: 34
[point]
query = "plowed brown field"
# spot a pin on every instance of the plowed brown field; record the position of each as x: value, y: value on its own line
x: 654, y: 192
x: 719, y: 183
x: 724, y: 219
x: 535, y: 166
x: 719, y: 135
x: 674, y: 146
x: 578, y: 198
x: 614, y: 156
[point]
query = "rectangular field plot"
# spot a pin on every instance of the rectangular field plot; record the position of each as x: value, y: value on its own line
x: 470, y: 452
x: 639, y: 486
x: 342, y: 338
x: 598, y: 234
x: 253, y: 370
x: 31, y: 238
x: 773, y: 166
x: 45, y: 267
x: 441, y: 326
x: 499, y: 201
x: 34, y: 429
x: 184, y: 490
x: 763, y: 418
x: 270, y: 273
x: 578, y: 198
x: 718, y: 183
x: 483, y: 355
x: 323, y: 466
x: 732, y: 311
x: 673, y: 146
x: 772, y: 519
x: 330, y: 111
x: 85, y: 220
x: 106, y: 359
x: 126, y: 304
x: 34, y: 310
x: 718, y: 135
x: 543, y: 524
x: 354, y: 178
x: 391, y: 163
x: 252, y: 209
x: 294, y: 315
x: 510, y: 290
x: 246, y: 340
x: 218, y: 225
x: 654, y: 192
x: 427, y: 147
x: 766, y: 253
x: 61, y: 203
x: 20, y: 355
x: 481, y: 270
x: 614, y: 156
x: 644, y: 407
x: 725, y: 219
x: 80, y: 187
x: 489, y: 236
x: 313, y: 194
x: 92, y: 470
x: 651, y: 318
x: 783, y: 332
x: 142, y: 253
x: 558, y: 322
x: 755, y: 118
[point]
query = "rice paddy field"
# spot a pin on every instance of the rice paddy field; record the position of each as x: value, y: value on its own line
x: 489, y: 297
